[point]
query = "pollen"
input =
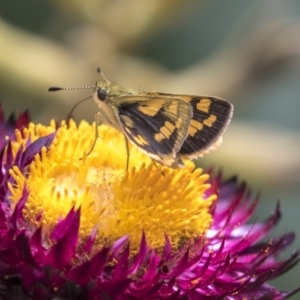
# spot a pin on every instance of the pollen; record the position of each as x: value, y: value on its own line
x: 159, y: 200
x: 148, y: 198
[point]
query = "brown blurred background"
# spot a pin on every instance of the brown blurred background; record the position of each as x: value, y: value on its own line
x: 245, y: 51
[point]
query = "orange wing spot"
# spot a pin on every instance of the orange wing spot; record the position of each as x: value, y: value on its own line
x: 159, y: 137
x: 195, y: 126
x: 127, y: 130
x: 210, y: 120
x: 170, y: 127
x: 204, y: 105
x: 150, y: 110
x: 140, y: 140
x: 128, y: 122
x: 178, y: 123
x: 173, y: 108
x: 165, y: 131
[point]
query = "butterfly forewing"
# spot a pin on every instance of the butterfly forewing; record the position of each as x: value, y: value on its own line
x: 157, y: 126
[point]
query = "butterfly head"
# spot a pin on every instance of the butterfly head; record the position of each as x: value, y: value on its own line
x: 102, y: 91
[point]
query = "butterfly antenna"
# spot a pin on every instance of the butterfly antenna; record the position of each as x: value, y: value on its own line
x: 56, y: 88
x: 101, y: 73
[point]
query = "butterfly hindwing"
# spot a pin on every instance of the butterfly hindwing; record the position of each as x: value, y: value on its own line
x: 211, y: 116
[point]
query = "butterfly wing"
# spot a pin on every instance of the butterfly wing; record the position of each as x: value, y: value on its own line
x: 156, y: 125
x: 211, y: 117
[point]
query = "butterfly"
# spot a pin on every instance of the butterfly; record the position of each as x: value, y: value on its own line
x: 166, y: 127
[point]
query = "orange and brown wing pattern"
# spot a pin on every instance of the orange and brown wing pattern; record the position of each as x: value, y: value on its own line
x: 158, y: 126
x: 166, y: 127
x: 210, y: 119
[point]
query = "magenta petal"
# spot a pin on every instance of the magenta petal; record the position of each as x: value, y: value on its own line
x: 288, y: 264
x: 25, y: 253
x: 36, y: 246
x: 140, y: 257
x: 17, y: 215
x: 35, y: 147
x: 120, y: 271
x: 66, y: 241
x: 167, y: 248
x: 151, y: 275
x: 6, y: 163
x: 88, y: 270
x: 22, y: 120
x: 65, y: 225
x: 88, y: 245
x: 7, y: 128
x: 118, y: 246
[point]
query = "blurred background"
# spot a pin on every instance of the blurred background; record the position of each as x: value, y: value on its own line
x: 247, y: 52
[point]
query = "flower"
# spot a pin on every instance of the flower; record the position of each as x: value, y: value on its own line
x: 78, y: 226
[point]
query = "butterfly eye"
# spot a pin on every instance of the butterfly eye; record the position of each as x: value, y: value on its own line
x: 102, y: 94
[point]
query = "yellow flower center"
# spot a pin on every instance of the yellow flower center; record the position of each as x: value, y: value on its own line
x: 150, y: 198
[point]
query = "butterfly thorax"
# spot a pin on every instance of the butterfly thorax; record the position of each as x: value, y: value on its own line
x: 114, y: 90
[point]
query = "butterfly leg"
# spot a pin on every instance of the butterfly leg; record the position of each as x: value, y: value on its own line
x: 128, y: 153
x: 154, y: 162
x: 178, y: 162
x: 70, y: 114
x: 97, y: 121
